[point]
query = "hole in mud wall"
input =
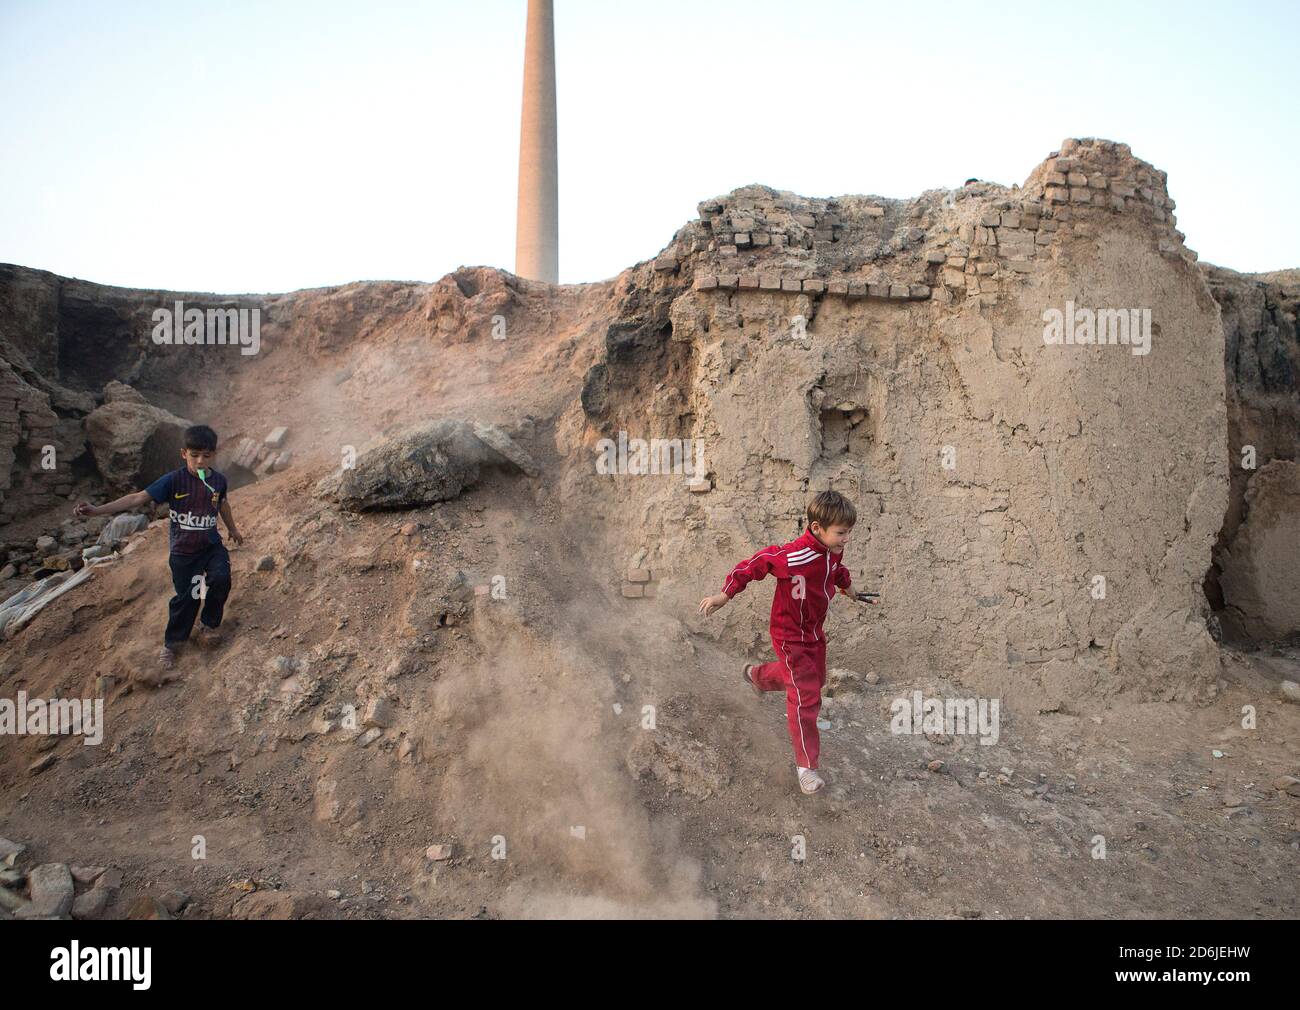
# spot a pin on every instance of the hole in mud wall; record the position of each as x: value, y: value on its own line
x: 844, y: 431
x: 1210, y: 586
x: 95, y: 345
x: 644, y: 381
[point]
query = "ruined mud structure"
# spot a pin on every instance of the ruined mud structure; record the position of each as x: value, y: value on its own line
x: 1072, y: 447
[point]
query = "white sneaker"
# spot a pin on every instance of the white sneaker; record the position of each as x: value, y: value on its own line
x: 809, y: 780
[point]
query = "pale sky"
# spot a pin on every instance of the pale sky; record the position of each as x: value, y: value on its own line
x: 241, y: 146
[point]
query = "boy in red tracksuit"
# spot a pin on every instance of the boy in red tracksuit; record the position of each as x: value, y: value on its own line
x: 808, y: 571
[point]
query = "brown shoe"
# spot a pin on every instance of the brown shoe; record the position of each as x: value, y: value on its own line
x: 745, y: 674
x: 207, y: 638
x: 167, y: 658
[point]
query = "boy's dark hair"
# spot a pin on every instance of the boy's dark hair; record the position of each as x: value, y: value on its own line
x: 200, y: 436
x: 830, y: 508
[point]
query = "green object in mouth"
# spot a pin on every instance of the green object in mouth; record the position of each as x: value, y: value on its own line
x: 203, y: 475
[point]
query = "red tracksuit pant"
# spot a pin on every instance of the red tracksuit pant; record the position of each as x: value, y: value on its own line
x: 800, y: 671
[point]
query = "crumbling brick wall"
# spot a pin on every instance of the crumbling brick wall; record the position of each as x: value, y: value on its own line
x: 863, y: 344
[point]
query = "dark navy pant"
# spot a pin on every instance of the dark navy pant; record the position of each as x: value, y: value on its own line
x: 213, y: 563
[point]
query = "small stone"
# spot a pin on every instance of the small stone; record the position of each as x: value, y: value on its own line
x: 409, y: 529
x: 378, y: 713
x: 110, y: 880
x: 148, y: 908
x: 437, y: 853
x: 872, y: 677
x: 52, y: 889
x: 11, y: 902
x: 174, y: 901
x: 91, y: 904
x: 276, y: 438
x: 87, y: 874
x: 265, y: 563
x: 1291, y: 690
x: 370, y: 736
x: 41, y: 764
x: 935, y: 766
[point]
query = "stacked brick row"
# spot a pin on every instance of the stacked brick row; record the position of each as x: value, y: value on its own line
x: 980, y: 254
x: 639, y: 583
x: 974, y: 242
x: 845, y: 286
x: 1086, y: 177
x: 27, y: 425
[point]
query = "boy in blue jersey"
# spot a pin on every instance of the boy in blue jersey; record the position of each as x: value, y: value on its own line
x: 195, y: 495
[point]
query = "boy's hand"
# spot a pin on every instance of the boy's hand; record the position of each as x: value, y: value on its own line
x: 85, y: 509
x: 236, y: 537
x: 711, y: 603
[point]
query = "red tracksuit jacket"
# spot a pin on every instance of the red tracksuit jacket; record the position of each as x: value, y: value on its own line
x: 807, y: 575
